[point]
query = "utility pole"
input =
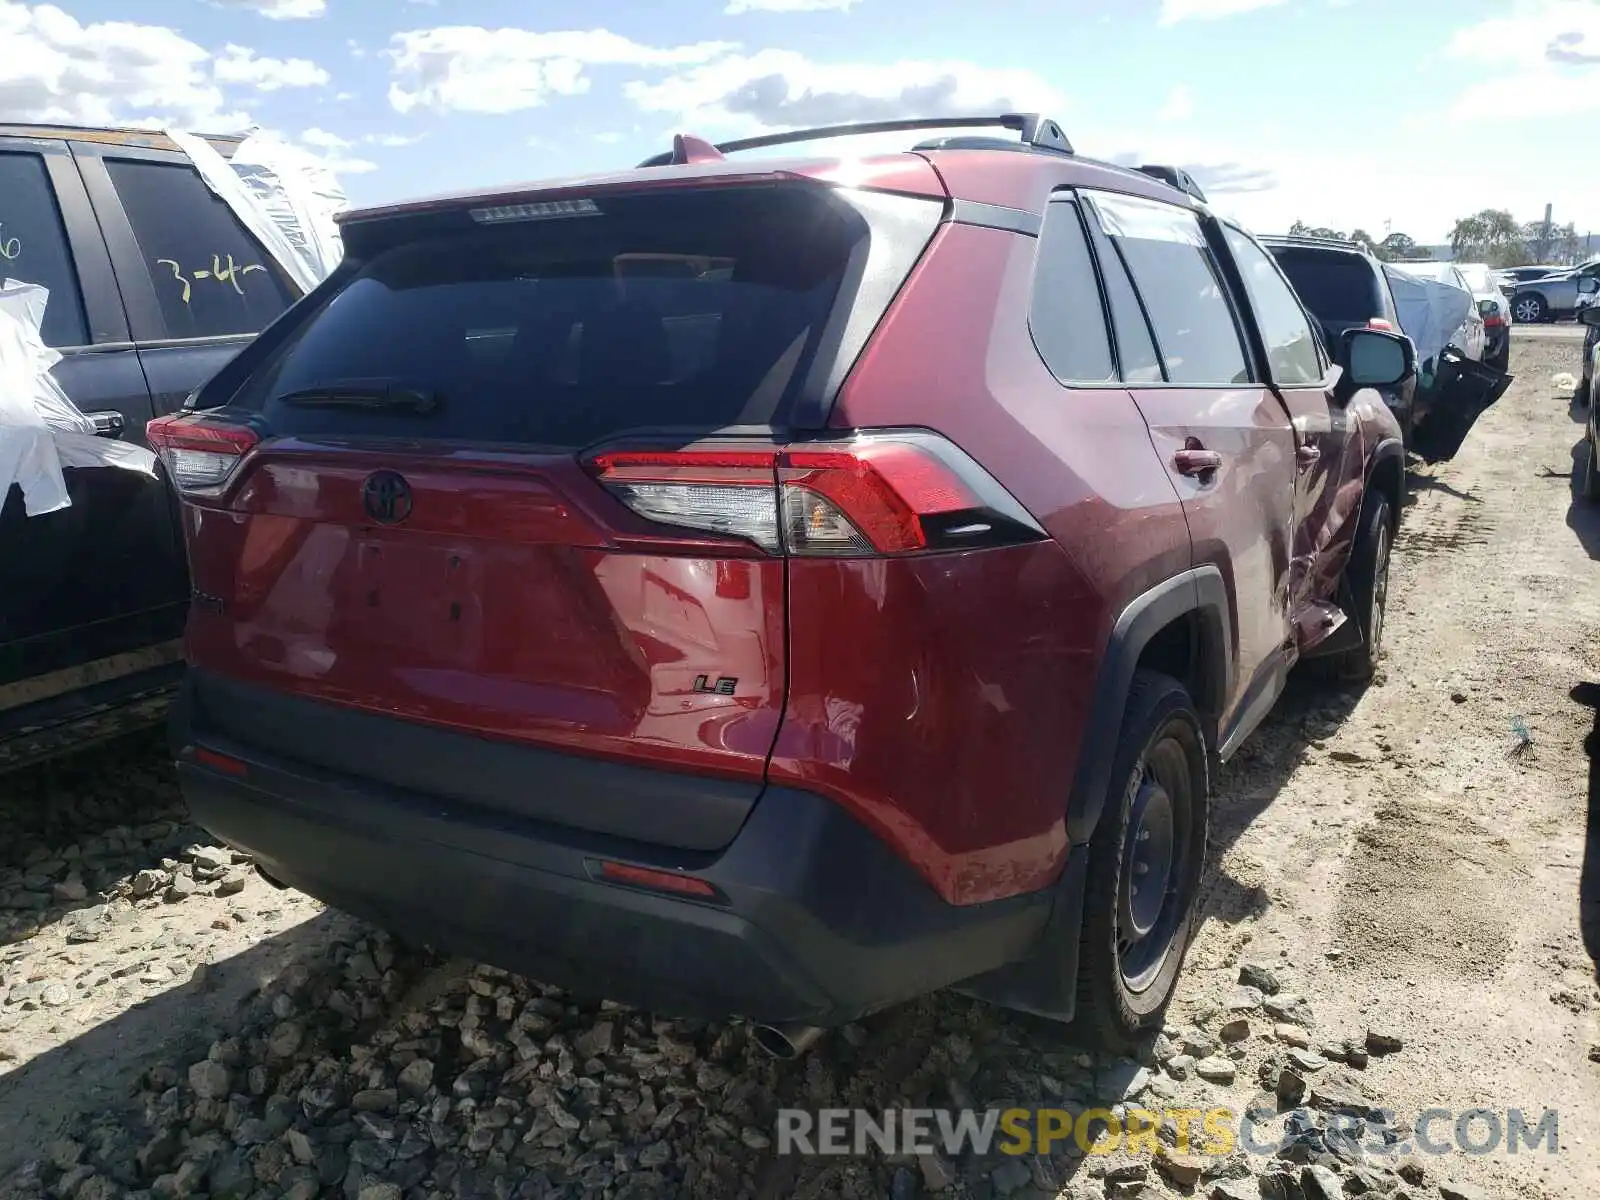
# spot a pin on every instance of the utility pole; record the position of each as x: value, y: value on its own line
x: 1544, y: 234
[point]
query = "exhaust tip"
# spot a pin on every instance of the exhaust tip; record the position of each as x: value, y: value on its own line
x: 785, y: 1042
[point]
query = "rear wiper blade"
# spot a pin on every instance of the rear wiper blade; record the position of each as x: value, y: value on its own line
x: 376, y: 397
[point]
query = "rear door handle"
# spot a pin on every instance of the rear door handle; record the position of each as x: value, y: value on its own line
x: 107, y: 424
x: 1307, y: 455
x: 1196, y: 462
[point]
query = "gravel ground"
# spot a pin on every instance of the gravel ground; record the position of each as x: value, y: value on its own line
x: 1392, y: 924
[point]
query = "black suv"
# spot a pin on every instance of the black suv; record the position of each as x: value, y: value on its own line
x: 154, y: 285
x: 1344, y: 286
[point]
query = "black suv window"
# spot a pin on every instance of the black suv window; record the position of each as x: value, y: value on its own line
x: 1166, y: 253
x: 1068, y: 324
x: 1337, y: 285
x: 1291, y: 343
x: 211, y: 277
x: 676, y: 307
x: 33, y: 246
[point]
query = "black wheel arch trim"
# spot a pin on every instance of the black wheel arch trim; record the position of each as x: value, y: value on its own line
x: 1199, y: 592
x: 1388, y: 448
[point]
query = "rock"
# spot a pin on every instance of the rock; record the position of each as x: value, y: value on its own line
x: 1261, y: 977
x: 1263, y: 1106
x: 1412, y: 1172
x: 416, y: 1077
x: 232, y: 883
x: 1319, y: 1183
x: 1122, y: 1080
x: 1380, y: 1043
x: 1461, y: 1191
x: 1364, y: 1181
x: 375, y: 1100
x: 1291, y: 1087
x: 145, y: 883
x: 937, y: 1173
x: 1292, y: 1010
x: 55, y: 995
x: 1292, y: 1035
x: 1280, y: 1185
x: 211, y: 858
x: 380, y: 1191
x: 70, y: 890
x: 181, y: 888
x: 285, y: 1040
x: 1244, y: 999
x: 1236, y: 1030
x: 1236, y: 1189
x: 1306, y: 1061
x: 210, y: 1080
x: 1216, y: 1070
x: 1010, y: 1176
x: 1183, y: 1169
x: 1125, y: 1173
x: 301, y: 1146
x: 1181, y: 1067
x: 64, y: 1154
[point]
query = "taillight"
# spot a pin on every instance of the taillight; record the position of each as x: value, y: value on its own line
x: 200, y: 453
x: 1380, y: 323
x: 870, y: 494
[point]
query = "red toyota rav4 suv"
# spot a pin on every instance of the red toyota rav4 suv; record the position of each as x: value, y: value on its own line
x: 778, y: 588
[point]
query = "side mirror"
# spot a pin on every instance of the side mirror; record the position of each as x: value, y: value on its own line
x: 1589, y: 315
x: 1588, y: 285
x: 1376, y: 358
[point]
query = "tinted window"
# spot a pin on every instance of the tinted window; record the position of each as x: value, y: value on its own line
x: 1337, y: 287
x: 1135, y: 349
x: 1068, y: 322
x: 1171, y: 266
x: 1291, y: 343
x: 33, y: 246
x: 685, y: 308
x: 211, y: 277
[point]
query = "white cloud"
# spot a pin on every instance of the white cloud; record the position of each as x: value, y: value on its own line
x: 53, y: 68
x: 321, y: 139
x: 783, y: 89
x: 238, y: 65
x: 1536, y: 33
x: 465, y: 68
x: 392, y: 140
x: 735, y: 7
x: 1173, y: 11
x: 281, y: 10
x: 1179, y: 105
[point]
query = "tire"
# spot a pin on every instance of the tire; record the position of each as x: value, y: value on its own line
x: 1589, y: 481
x: 1529, y: 309
x: 1367, y: 578
x: 1156, y: 819
x: 1500, y: 362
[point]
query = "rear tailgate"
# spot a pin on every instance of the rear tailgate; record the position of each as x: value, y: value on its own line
x: 415, y: 537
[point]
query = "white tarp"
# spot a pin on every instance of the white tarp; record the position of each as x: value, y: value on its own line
x: 41, y: 430
x: 1430, y: 310
x: 281, y: 195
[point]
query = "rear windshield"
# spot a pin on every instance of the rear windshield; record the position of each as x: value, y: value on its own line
x: 1334, y: 286
x: 685, y: 308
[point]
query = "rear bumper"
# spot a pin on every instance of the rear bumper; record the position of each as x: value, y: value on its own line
x: 815, y: 919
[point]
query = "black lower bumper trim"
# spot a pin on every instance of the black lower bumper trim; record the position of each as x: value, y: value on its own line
x: 821, y: 922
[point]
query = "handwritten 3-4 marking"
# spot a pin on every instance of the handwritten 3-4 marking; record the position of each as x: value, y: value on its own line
x: 10, y: 247
x: 229, y: 273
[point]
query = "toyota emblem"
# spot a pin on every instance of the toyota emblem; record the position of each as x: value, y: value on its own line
x: 387, y: 497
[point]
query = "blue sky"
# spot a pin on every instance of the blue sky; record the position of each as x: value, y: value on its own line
x: 1339, y: 112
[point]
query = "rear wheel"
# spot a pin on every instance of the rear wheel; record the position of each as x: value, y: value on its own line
x: 1589, y: 481
x: 1367, y: 577
x: 1528, y: 309
x: 1145, y: 865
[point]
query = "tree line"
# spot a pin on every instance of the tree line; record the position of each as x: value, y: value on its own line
x: 1492, y: 236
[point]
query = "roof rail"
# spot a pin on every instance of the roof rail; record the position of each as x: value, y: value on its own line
x: 1038, y: 132
x: 1176, y: 176
x: 1306, y: 239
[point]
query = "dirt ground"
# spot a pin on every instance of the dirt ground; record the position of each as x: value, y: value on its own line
x: 1399, y: 869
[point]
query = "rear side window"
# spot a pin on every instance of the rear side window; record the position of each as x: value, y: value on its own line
x: 1065, y: 316
x: 212, y: 278
x: 1335, y: 286
x: 1166, y: 253
x: 1290, y: 341
x: 33, y: 246
x: 684, y: 308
